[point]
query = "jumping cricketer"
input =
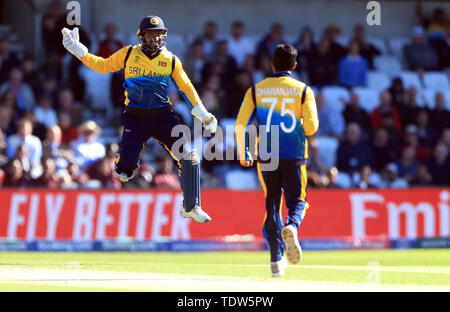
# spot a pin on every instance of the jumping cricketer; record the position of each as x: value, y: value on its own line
x: 148, y: 111
x: 288, y: 104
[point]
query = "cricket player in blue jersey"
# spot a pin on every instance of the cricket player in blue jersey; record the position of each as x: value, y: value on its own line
x: 148, y: 111
x: 288, y: 104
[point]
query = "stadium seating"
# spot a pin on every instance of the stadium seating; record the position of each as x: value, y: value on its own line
x: 378, y: 80
x: 327, y: 149
x: 241, y: 180
x: 411, y: 79
x: 334, y: 95
x: 388, y: 64
x: 436, y: 81
x: 396, y: 45
x: 176, y: 44
x: 379, y: 43
x: 369, y: 98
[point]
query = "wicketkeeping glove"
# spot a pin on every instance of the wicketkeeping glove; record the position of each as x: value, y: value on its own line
x: 208, y: 119
x: 71, y: 41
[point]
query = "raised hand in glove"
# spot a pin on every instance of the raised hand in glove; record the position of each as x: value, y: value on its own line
x: 71, y: 41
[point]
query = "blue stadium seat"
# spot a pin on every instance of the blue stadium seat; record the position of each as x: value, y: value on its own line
x: 411, y: 79
x: 388, y: 64
x: 333, y: 96
x: 436, y: 81
x: 369, y: 98
x: 327, y: 149
x: 378, y: 80
x: 241, y: 180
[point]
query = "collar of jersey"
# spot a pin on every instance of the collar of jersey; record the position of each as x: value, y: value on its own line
x: 281, y: 74
x: 151, y: 57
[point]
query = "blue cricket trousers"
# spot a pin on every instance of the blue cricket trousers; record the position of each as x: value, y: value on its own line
x: 289, y: 178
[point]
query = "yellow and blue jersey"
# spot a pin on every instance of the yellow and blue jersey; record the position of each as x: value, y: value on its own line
x: 146, y: 78
x: 282, y: 101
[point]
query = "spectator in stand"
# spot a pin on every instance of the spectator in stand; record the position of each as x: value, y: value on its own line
x: 427, y: 134
x: 353, y: 68
x: 39, y: 129
x: 390, y: 179
x: 49, y: 179
x: 45, y: 114
x: 419, y: 55
x: 236, y: 94
x: 250, y: 66
x: 3, y: 145
x: 353, y: 112
x: 24, y: 136
x: 52, y: 148
x: 9, y: 59
x: 442, y: 48
x: 53, y: 65
x: 264, y: 65
x: 6, y: 118
x: 367, y: 50
x: 107, y: 47
x: 422, y: 177
x: 409, y: 109
x: 407, y: 165
x: 322, y: 67
x: 239, y: 46
x: 14, y: 175
x: 210, y: 95
x: 353, y: 151
x: 23, y: 93
x: 50, y: 34
x: 384, y: 149
x: 270, y: 41
x: 102, y: 170
x: 22, y: 155
x: 69, y: 131
x: 331, y: 121
x: 411, y: 137
x: 87, y: 149
x: 306, y: 48
x: 164, y: 177
x: 337, y: 51
x: 362, y: 179
x: 398, y: 92
x: 435, y: 26
x: 445, y: 138
x: 439, y: 165
x: 228, y: 65
x: 385, y: 109
x: 66, y: 103
x: 317, y: 170
x: 208, y: 37
x: 3, y: 72
x: 110, y: 44
x: 74, y: 178
x: 49, y: 87
x: 440, y: 116
x: 194, y: 62
x: 30, y: 75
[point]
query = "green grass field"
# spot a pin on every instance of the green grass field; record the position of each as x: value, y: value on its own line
x: 351, y: 270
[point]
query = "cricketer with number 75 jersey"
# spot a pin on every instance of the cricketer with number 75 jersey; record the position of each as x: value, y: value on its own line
x: 280, y: 100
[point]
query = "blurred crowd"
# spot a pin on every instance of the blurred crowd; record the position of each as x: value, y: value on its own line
x: 47, y: 139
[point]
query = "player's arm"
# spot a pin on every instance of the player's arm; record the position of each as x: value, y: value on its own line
x: 115, y: 62
x: 190, y: 95
x: 309, y: 114
x: 242, y: 120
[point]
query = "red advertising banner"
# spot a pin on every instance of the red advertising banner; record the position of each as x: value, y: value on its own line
x: 152, y: 215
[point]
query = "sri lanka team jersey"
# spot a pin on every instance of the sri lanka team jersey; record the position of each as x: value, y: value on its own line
x: 282, y: 101
x: 146, y: 78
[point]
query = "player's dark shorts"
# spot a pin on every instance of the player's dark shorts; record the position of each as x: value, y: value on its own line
x: 141, y: 125
x: 289, y: 178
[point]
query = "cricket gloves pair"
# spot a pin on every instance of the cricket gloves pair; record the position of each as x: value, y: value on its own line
x: 208, y: 119
x: 71, y: 41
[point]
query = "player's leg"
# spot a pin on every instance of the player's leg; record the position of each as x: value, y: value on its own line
x: 188, y: 164
x: 273, y: 222
x: 134, y: 137
x: 294, y: 184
